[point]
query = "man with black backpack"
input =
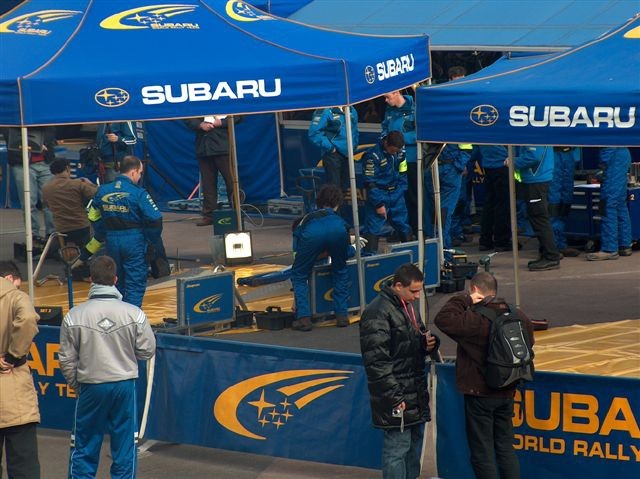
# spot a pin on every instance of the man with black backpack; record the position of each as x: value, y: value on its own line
x: 484, y: 328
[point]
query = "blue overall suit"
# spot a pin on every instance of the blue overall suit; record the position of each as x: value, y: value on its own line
x: 402, y: 119
x: 130, y: 221
x: 450, y: 166
x: 615, y: 228
x: 320, y: 232
x: 385, y: 178
x: 561, y: 190
x: 328, y: 131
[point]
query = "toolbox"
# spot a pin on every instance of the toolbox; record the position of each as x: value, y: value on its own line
x: 243, y: 319
x: 451, y: 285
x: 274, y: 319
x: 291, y: 206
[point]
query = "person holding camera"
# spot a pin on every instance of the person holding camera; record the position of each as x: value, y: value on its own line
x: 488, y: 412
x: 394, y: 344
x: 115, y: 141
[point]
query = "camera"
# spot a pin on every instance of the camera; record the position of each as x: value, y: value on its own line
x: 396, y: 412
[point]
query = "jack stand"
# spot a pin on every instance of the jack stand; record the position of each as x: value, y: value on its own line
x: 43, y: 256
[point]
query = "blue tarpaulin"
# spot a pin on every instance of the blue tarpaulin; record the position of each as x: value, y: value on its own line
x: 55, y: 67
x: 589, y: 96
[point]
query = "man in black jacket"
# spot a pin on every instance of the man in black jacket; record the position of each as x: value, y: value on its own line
x: 488, y: 412
x: 394, y: 344
x: 212, y: 152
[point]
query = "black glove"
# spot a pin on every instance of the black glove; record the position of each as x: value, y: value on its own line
x: 150, y: 255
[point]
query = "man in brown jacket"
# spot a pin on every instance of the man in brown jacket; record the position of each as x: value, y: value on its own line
x: 488, y: 412
x: 19, y: 411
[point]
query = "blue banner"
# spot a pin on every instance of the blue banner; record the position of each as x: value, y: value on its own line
x: 566, y: 425
x: 300, y: 404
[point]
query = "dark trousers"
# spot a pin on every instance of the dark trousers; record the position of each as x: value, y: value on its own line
x: 209, y: 168
x: 21, y: 445
x: 536, y: 196
x: 411, y: 195
x: 490, y: 437
x: 495, y: 223
x: 336, y: 169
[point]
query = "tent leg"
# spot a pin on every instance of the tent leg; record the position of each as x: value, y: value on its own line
x: 234, y: 165
x: 354, y: 206
x: 26, y: 203
x: 514, y: 224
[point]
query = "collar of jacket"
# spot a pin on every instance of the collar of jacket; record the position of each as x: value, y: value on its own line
x: 103, y: 291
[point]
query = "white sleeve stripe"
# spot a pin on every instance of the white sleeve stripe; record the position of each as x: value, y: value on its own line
x: 141, y: 317
x: 67, y: 320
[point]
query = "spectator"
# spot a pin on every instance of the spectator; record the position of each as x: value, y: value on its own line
x: 100, y: 344
x: 394, y: 345
x: 488, y: 412
x: 115, y: 141
x: 19, y: 411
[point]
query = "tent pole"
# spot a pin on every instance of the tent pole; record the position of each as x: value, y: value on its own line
x: 354, y: 206
x: 234, y: 164
x: 435, y: 174
x: 276, y: 115
x: 420, y: 232
x: 26, y: 203
x: 514, y: 223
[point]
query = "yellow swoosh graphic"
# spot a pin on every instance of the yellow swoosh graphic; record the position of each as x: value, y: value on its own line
x: 296, y: 388
x: 114, y: 21
x: 44, y: 15
x: 634, y: 33
x: 303, y: 401
x: 225, y: 409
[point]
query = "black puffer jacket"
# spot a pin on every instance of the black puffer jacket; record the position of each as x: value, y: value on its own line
x: 394, y: 356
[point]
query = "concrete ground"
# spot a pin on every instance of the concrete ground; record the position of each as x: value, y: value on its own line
x: 580, y: 292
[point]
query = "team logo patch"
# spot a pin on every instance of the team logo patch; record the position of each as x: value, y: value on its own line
x: 207, y: 305
x: 154, y: 17
x: 265, y: 404
x: 112, y: 97
x: 369, y: 74
x: 484, y: 115
x: 243, y: 12
x: 113, y: 197
x: 33, y: 23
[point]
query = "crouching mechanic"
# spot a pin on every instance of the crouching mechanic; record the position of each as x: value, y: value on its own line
x: 385, y: 177
x: 131, y: 223
x: 488, y: 411
x: 320, y: 233
x: 394, y: 344
x: 100, y: 343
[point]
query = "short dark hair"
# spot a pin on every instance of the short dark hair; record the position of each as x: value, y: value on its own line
x: 407, y: 274
x: 129, y: 163
x: 394, y: 138
x: 329, y: 196
x: 485, y: 282
x: 58, y: 165
x: 457, y: 71
x: 103, y: 270
x: 9, y: 268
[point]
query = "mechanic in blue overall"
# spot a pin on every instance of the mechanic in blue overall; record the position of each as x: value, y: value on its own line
x: 385, y: 179
x: 534, y: 166
x: 328, y: 131
x: 615, y: 226
x: 127, y: 217
x: 565, y: 159
x: 400, y: 116
x: 320, y: 233
x: 451, y: 164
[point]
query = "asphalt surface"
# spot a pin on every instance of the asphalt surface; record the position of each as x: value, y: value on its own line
x: 580, y: 292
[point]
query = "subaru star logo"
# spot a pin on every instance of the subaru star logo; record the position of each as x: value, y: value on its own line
x: 112, y: 97
x: 484, y: 115
x: 369, y: 74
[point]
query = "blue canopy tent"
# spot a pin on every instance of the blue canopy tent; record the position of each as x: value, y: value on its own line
x: 84, y: 61
x: 587, y: 96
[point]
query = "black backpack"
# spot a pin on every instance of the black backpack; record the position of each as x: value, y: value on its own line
x: 509, y: 352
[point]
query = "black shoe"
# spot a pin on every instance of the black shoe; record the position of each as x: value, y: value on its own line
x: 342, y: 321
x: 302, y: 324
x: 543, y: 265
x: 570, y: 252
x: 205, y: 221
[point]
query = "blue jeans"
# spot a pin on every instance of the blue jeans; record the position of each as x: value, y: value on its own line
x: 39, y: 174
x: 401, y: 452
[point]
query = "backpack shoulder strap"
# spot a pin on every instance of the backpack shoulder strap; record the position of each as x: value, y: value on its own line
x: 488, y: 313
